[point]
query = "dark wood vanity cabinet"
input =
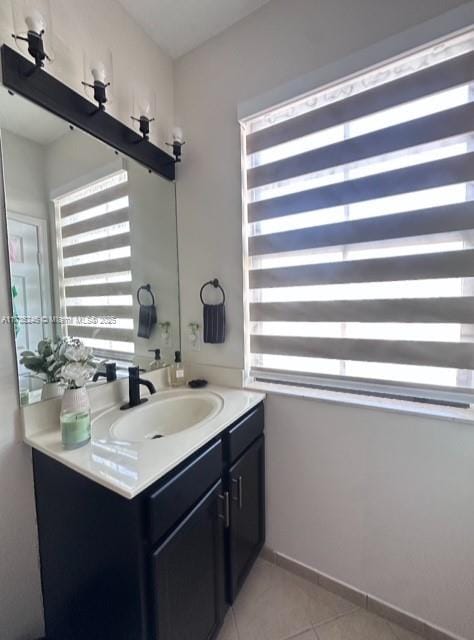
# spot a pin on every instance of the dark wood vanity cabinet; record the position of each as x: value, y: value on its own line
x: 164, y: 565
x: 247, y: 530
x: 188, y: 574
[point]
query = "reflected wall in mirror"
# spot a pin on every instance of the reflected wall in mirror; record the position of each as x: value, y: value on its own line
x: 86, y: 229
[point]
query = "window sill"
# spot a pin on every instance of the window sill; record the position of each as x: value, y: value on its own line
x: 452, y: 414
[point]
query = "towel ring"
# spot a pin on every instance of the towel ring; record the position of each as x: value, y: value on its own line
x: 145, y: 287
x: 216, y: 285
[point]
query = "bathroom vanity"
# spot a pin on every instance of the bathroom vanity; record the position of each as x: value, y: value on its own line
x: 165, y: 563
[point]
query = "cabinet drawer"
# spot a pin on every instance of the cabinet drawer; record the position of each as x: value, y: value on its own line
x: 242, y: 434
x: 173, y: 500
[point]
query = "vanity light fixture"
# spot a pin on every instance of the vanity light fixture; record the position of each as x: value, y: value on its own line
x: 31, y: 20
x: 100, y: 68
x: 177, y: 144
x: 145, y: 108
x: 144, y: 125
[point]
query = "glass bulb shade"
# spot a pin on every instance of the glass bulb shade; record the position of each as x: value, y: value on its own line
x: 144, y: 104
x: 33, y: 15
x: 98, y: 67
x: 35, y: 22
x: 178, y: 135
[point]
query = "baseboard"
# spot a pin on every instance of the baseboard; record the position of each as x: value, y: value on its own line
x: 363, y: 600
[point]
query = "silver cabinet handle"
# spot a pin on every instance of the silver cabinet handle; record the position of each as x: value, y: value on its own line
x: 239, y: 482
x: 226, y: 515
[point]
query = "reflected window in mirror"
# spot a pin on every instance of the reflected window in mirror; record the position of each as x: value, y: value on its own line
x: 95, y: 277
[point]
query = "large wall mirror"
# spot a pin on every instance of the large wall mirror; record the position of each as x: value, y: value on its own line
x: 87, y: 229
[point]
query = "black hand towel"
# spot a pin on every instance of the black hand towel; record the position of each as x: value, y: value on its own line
x: 214, y: 323
x: 147, y: 318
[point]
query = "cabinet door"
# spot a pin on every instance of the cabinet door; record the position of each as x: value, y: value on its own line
x: 188, y: 574
x: 247, y: 530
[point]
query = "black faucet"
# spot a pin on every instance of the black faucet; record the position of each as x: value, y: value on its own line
x: 110, y: 373
x: 134, y: 382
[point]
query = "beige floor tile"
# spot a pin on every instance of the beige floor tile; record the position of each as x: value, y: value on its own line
x: 267, y: 609
x: 403, y: 634
x: 306, y: 635
x: 273, y: 615
x: 275, y: 604
x: 228, y: 631
x: 323, y: 605
x: 260, y: 579
x: 359, y: 625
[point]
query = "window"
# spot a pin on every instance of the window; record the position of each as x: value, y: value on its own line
x: 359, y: 257
x: 95, y: 271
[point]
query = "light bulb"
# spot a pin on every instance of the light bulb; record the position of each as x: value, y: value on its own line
x: 98, y: 72
x: 178, y: 135
x: 144, y: 109
x: 35, y: 22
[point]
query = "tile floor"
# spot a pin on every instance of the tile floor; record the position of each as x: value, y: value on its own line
x: 277, y: 605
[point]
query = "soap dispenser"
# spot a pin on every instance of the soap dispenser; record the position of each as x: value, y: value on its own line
x: 177, y: 371
x: 157, y: 362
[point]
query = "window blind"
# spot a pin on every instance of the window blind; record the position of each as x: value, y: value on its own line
x: 94, y: 247
x: 359, y: 257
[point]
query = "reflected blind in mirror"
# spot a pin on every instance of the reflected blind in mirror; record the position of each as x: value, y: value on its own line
x: 96, y: 287
x: 360, y: 227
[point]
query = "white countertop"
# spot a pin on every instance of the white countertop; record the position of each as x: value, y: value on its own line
x: 129, y: 467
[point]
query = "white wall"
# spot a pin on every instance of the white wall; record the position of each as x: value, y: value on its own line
x: 24, y: 176
x: 137, y: 60
x: 74, y: 158
x: 378, y: 500
x: 381, y: 501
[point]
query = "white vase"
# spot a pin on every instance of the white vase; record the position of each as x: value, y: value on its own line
x: 51, y: 390
x: 75, y: 418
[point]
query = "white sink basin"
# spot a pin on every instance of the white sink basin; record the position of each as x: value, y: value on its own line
x: 165, y: 416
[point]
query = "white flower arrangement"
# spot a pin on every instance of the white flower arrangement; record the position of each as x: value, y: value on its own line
x: 77, y: 362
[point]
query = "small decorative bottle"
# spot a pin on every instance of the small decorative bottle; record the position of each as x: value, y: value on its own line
x: 177, y: 371
x: 75, y: 418
x: 157, y: 363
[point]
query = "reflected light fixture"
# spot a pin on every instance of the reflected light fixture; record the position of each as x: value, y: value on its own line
x: 177, y: 144
x: 31, y: 20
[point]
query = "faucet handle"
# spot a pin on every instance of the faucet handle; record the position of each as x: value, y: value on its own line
x: 134, y: 382
x: 111, y: 371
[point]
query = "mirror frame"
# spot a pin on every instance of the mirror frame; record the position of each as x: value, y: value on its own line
x: 21, y: 76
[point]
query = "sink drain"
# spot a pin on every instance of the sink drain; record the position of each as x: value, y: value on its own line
x: 156, y: 436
